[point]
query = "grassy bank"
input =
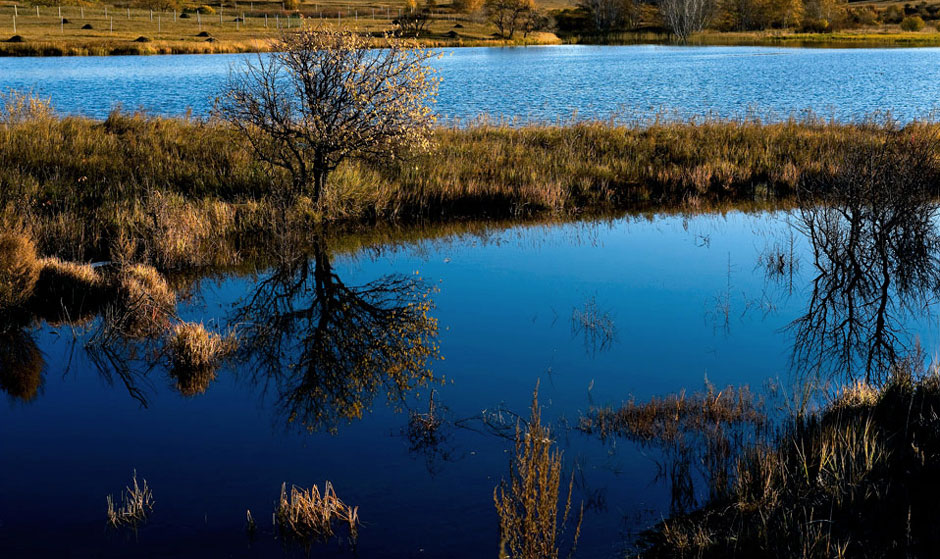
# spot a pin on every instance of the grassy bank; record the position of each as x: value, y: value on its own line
x: 176, y: 192
x: 855, y: 478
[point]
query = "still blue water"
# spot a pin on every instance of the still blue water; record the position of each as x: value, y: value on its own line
x: 689, y: 300
x: 548, y: 83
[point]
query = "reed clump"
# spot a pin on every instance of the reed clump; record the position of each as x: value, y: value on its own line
x: 306, y: 516
x: 530, y: 522
x: 19, y: 269
x: 855, y: 479
x: 144, y: 299
x: 670, y: 418
x: 195, y: 356
x: 68, y: 291
x: 135, y: 508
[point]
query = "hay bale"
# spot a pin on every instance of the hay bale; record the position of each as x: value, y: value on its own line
x: 19, y: 269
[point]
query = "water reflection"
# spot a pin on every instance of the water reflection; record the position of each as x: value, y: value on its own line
x: 21, y: 364
x: 876, y: 252
x: 328, y: 348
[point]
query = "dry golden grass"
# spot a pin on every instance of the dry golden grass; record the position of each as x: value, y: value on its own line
x: 145, y: 301
x: 530, y: 525
x: 306, y: 516
x: 19, y: 268
x: 195, y: 356
x: 136, y: 506
x: 67, y: 291
x: 181, y: 194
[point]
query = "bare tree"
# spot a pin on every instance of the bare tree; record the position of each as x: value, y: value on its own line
x: 607, y: 15
x: 685, y: 17
x: 508, y: 15
x: 325, y: 96
x: 534, y: 21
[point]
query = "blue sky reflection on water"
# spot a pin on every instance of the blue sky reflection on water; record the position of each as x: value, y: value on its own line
x: 688, y: 298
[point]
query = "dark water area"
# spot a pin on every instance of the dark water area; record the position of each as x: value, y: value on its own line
x: 681, y: 299
x: 547, y: 83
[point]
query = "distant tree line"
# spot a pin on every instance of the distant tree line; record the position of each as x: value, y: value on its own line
x: 685, y: 17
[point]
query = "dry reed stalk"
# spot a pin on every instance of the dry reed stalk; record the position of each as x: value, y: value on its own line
x: 529, y: 520
x: 136, y: 505
x: 307, y: 516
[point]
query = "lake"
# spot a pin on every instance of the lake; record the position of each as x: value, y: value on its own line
x: 676, y: 301
x: 548, y: 83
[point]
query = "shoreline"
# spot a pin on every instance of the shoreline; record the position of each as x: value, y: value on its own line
x: 842, y: 40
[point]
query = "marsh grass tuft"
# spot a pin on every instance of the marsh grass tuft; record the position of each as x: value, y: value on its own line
x: 528, y: 505
x: 136, y: 505
x: 145, y: 300
x: 195, y: 355
x: 306, y: 516
x: 19, y: 268
x: 68, y: 291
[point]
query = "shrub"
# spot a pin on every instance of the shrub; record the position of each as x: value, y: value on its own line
x: 19, y: 269
x: 206, y: 10
x: 291, y: 5
x: 912, y: 23
x: 816, y: 26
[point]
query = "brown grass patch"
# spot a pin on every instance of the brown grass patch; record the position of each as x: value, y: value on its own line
x: 67, y: 291
x: 19, y: 268
x: 145, y: 300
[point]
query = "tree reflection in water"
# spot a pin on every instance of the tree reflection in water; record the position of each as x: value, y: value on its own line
x: 875, y: 247
x: 328, y: 348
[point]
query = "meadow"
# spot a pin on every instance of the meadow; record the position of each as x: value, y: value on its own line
x: 169, y: 189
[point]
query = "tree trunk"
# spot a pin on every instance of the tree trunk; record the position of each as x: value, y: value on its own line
x: 319, y: 182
